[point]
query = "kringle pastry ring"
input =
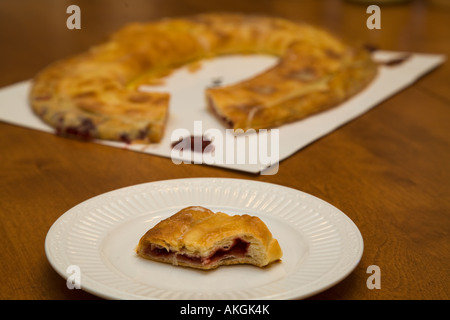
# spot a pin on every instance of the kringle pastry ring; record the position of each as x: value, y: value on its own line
x: 95, y: 94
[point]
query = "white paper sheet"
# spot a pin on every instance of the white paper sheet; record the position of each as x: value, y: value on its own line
x: 188, y: 112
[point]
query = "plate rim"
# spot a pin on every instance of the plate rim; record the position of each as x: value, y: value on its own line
x: 114, y: 293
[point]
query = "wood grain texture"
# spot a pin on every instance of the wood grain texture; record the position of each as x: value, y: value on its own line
x: 388, y: 170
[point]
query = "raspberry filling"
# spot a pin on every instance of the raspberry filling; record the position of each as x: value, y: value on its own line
x: 212, y: 107
x: 238, y: 249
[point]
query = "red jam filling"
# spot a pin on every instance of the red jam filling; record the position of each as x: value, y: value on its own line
x: 237, y: 249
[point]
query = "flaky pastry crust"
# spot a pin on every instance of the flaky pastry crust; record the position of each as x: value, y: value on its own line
x: 95, y: 94
x: 198, y: 238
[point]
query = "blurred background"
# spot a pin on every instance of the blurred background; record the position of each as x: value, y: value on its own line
x: 44, y: 37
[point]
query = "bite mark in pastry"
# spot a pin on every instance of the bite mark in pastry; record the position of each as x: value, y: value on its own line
x: 198, y: 238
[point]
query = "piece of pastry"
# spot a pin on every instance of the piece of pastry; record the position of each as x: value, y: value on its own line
x: 198, y: 238
x: 96, y: 94
x: 306, y: 81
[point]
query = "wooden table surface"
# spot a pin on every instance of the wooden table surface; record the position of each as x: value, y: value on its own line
x: 388, y: 170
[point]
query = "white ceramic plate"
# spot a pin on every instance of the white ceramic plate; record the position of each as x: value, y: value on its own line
x: 320, y: 244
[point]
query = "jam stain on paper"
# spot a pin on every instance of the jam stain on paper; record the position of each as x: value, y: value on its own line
x: 193, y: 143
